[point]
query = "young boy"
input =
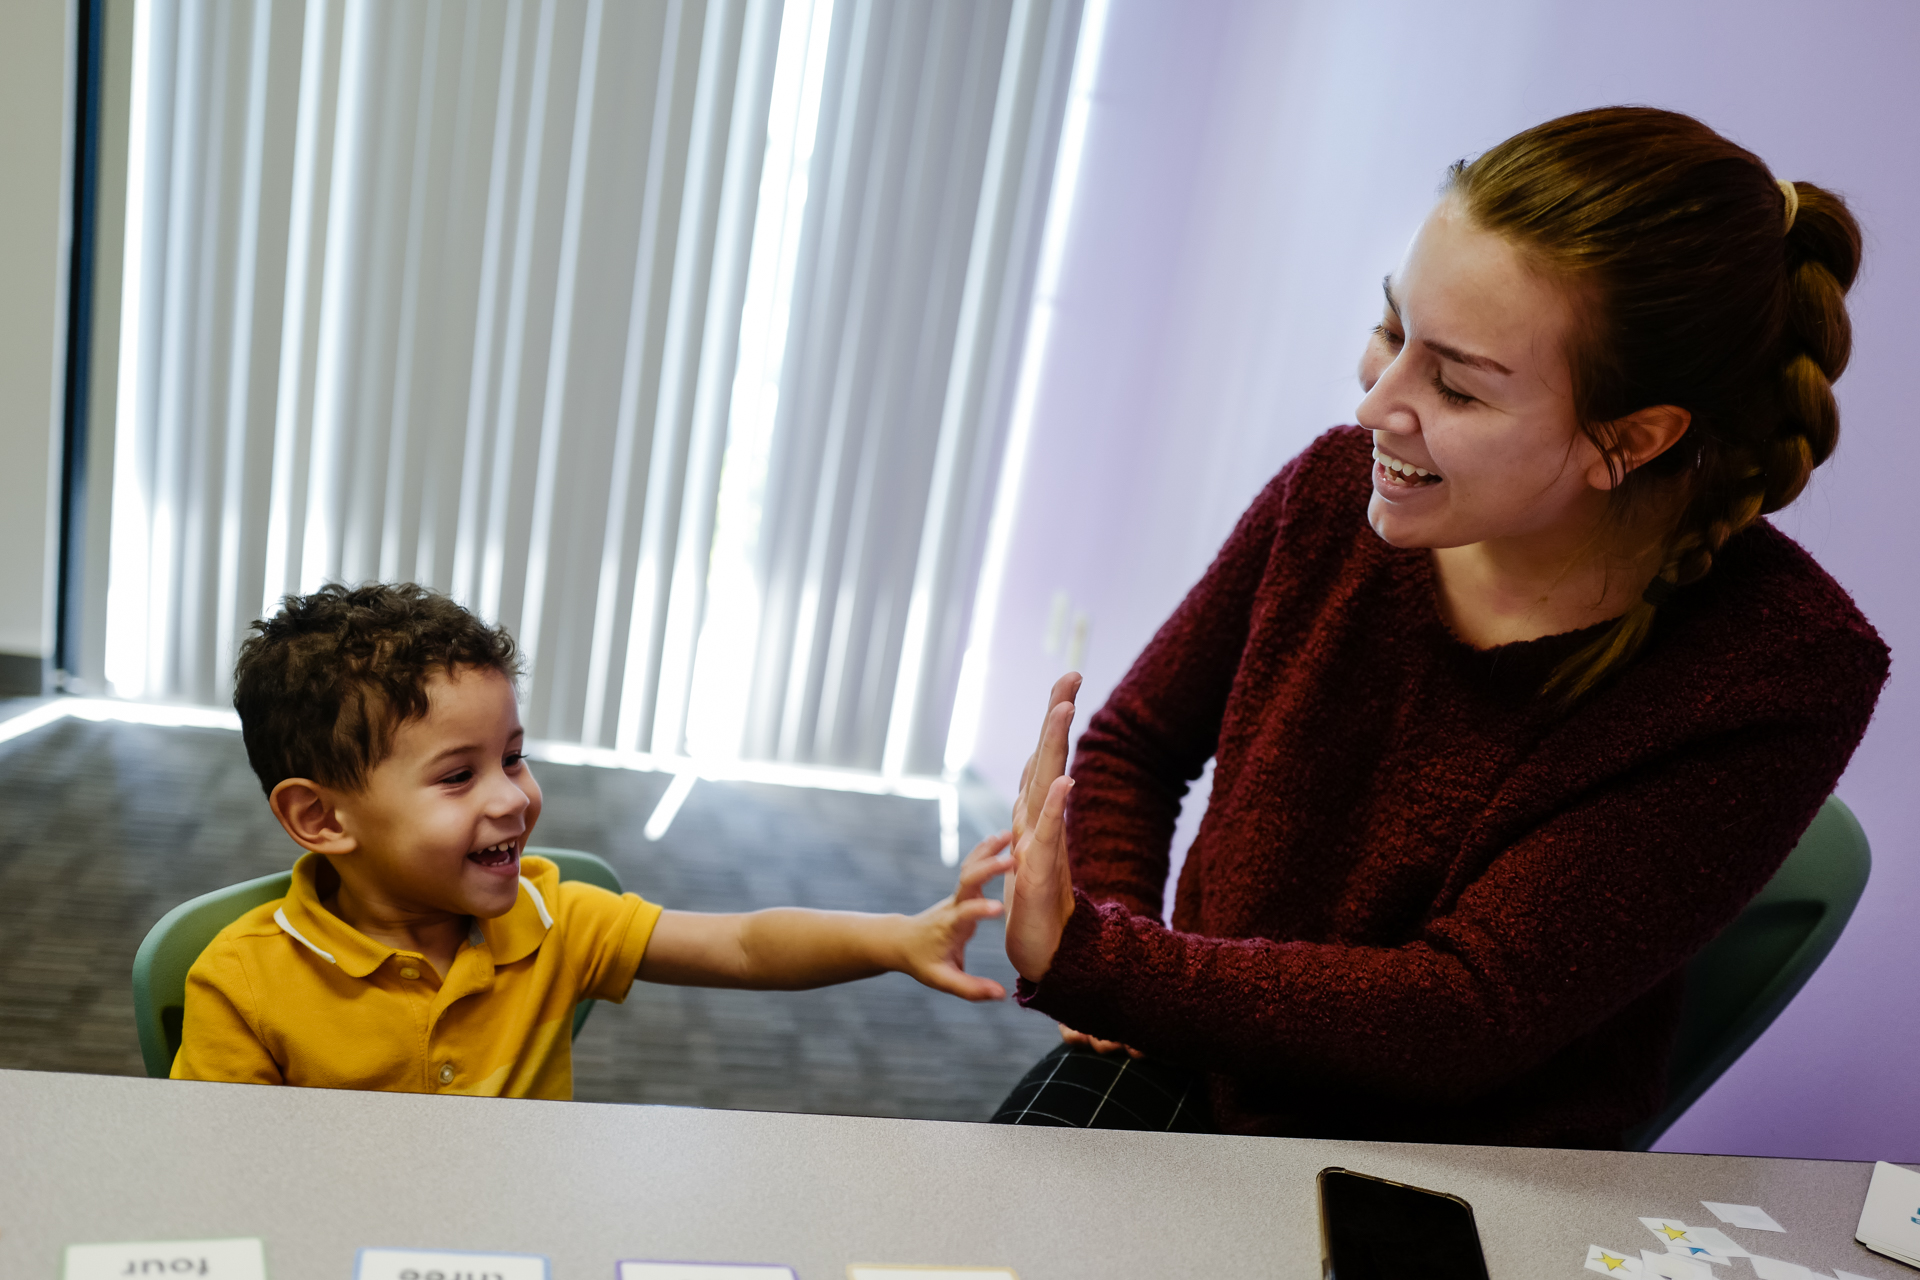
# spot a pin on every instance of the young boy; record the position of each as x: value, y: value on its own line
x: 417, y: 950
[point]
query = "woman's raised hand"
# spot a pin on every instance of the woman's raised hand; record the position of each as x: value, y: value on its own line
x: 1040, y: 890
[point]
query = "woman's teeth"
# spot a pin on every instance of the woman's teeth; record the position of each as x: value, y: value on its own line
x: 1405, y: 471
x: 494, y: 855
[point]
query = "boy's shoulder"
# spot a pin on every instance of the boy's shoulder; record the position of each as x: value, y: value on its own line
x: 255, y: 924
x: 243, y: 954
x: 557, y: 896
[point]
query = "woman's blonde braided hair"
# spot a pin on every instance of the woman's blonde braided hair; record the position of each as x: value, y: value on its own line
x: 1699, y: 282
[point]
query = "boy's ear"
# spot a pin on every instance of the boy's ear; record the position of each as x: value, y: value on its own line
x: 307, y: 813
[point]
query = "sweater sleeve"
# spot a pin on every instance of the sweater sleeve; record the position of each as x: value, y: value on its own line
x: 1566, y: 925
x: 1162, y: 723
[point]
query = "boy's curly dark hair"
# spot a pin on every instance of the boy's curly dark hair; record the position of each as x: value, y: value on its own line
x: 323, y: 684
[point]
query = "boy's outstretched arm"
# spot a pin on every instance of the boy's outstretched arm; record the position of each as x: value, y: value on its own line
x: 793, y: 948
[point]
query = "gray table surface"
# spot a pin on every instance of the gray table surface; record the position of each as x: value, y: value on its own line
x: 318, y: 1174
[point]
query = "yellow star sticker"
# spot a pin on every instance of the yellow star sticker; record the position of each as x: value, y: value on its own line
x: 1672, y: 1234
x: 1611, y: 1261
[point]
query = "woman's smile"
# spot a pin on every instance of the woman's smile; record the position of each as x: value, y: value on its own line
x: 1393, y: 475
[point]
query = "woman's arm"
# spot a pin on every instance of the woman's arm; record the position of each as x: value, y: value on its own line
x: 1162, y: 722
x: 1565, y: 926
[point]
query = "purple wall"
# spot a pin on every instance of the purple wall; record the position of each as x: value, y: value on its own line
x: 1252, y: 168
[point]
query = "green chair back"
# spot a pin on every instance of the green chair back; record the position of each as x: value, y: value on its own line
x: 172, y: 945
x: 1748, y: 974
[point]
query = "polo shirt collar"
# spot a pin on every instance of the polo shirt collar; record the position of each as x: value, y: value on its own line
x: 518, y: 934
x: 513, y: 936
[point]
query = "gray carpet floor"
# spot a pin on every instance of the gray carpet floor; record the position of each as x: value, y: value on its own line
x: 111, y: 825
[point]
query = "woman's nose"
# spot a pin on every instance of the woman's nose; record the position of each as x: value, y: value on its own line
x: 1384, y: 407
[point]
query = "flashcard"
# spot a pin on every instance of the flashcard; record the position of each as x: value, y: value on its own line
x: 1752, y: 1217
x: 1697, y: 1252
x: 447, y: 1264
x: 1774, y: 1269
x: 863, y: 1271
x: 242, y: 1259
x: 1671, y: 1266
x: 1848, y: 1275
x: 1668, y: 1229
x: 1716, y: 1240
x: 704, y: 1271
x: 1890, y: 1219
x: 1609, y: 1263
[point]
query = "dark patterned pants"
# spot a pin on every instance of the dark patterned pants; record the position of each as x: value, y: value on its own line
x: 1075, y: 1088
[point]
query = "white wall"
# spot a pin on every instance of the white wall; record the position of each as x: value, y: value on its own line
x: 34, y: 66
x: 1253, y: 167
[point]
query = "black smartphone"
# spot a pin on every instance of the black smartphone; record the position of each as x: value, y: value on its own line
x: 1374, y: 1229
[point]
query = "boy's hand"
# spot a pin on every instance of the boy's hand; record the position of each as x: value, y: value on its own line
x: 935, y: 947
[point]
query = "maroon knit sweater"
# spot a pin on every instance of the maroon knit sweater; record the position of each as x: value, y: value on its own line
x: 1424, y: 903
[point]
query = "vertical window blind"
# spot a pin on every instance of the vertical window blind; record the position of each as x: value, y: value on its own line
x: 681, y: 337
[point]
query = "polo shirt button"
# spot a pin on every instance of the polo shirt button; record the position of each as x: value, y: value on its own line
x: 446, y: 1073
x: 409, y: 972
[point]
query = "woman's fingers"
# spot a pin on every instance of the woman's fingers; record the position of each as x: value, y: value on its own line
x: 1049, y: 758
x: 1037, y: 916
x: 1046, y: 764
x: 1019, y: 817
x: 1049, y: 833
x: 1070, y: 1036
x: 1065, y: 689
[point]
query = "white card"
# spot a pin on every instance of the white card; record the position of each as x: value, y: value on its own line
x: 1750, y: 1216
x: 1717, y: 1240
x: 242, y: 1259
x: 704, y: 1271
x: 1774, y: 1269
x: 1671, y: 1266
x: 1890, y: 1219
x: 861, y: 1271
x: 1668, y: 1229
x: 447, y: 1264
x: 1609, y: 1263
x: 1697, y: 1252
x: 1838, y: 1274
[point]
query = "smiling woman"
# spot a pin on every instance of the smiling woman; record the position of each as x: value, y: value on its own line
x: 1495, y: 753
x: 1479, y: 453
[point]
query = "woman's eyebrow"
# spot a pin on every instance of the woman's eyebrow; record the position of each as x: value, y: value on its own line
x: 1458, y: 356
x: 1441, y: 349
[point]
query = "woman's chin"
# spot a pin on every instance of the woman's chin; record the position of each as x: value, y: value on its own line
x: 1397, y: 528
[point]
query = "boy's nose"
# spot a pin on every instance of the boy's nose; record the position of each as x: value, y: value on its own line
x: 507, y: 798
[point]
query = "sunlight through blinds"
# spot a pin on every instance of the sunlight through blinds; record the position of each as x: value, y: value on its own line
x: 679, y: 337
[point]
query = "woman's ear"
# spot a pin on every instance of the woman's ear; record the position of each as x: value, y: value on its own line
x: 306, y: 811
x: 1638, y: 439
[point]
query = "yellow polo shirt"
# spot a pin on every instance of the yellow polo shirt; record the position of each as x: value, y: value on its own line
x: 290, y: 994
